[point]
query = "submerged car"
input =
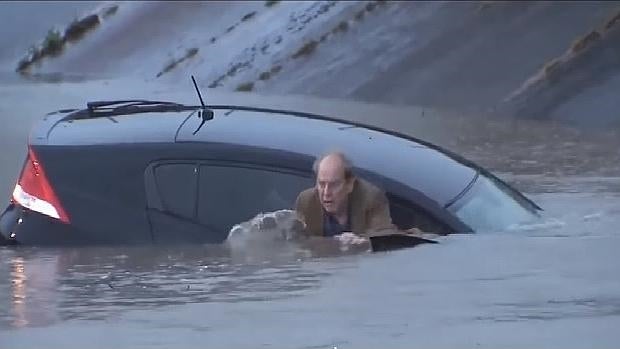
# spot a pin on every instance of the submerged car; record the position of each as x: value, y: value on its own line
x: 139, y: 171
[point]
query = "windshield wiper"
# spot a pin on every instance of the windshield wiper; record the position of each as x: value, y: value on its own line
x: 133, y: 106
x: 120, y: 107
x: 124, y: 103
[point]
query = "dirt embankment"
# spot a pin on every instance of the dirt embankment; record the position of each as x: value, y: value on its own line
x: 506, y: 58
x: 591, y: 60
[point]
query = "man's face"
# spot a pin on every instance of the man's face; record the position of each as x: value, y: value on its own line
x: 332, y: 185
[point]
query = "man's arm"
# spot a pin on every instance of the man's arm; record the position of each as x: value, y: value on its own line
x: 299, y: 208
x: 379, y: 215
x: 304, y: 212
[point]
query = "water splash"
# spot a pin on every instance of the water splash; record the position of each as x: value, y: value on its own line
x: 267, y: 227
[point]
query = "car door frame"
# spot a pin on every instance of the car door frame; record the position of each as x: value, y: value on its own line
x: 155, y: 207
x: 159, y: 216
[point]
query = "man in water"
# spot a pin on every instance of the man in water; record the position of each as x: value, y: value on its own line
x: 341, y: 205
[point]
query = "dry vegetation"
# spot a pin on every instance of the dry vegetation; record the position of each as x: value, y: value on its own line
x: 189, y: 53
x: 248, y: 16
x: 341, y: 27
x: 78, y: 28
x: 276, y: 69
x: 56, y: 41
x: 551, y: 67
x: 245, y: 87
x: 612, y: 21
x: 264, y: 76
x: 110, y: 11
x: 306, y: 49
x: 581, y: 43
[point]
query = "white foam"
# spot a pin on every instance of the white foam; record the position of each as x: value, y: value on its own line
x: 269, y: 226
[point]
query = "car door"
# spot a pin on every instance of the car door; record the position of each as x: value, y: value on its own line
x: 172, y: 192
x: 200, y: 201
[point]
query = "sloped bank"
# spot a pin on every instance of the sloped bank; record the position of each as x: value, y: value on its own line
x: 595, y: 56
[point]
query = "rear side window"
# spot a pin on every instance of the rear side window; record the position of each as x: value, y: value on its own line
x: 176, y: 184
x: 230, y: 195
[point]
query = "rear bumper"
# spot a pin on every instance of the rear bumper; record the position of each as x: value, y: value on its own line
x: 21, y: 226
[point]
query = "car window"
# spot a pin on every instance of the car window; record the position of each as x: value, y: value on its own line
x: 229, y: 195
x: 406, y: 214
x: 409, y: 208
x: 488, y: 207
x: 176, y: 184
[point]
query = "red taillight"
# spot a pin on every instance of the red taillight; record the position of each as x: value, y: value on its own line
x: 33, y: 190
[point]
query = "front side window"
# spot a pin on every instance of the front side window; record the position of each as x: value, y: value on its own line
x: 486, y: 207
x: 405, y: 215
x: 229, y: 195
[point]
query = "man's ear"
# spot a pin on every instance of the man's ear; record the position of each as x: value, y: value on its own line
x: 350, y: 184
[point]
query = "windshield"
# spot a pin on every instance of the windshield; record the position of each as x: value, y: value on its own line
x: 489, y: 207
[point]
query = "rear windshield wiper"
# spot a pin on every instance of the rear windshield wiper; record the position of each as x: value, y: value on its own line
x: 119, y: 107
x: 128, y: 102
x: 109, y: 109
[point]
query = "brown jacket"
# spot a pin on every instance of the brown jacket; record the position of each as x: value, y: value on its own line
x: 370, y: 211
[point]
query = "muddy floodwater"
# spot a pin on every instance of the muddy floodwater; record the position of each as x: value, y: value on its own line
x: 554, y: 283
x: 551, y: 284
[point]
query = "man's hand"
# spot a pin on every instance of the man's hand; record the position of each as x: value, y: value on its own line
x: 414, y: 231
x: 419, y: 233
x: 348, y: 239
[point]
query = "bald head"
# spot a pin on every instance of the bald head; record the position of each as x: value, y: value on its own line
x: 336, y: 160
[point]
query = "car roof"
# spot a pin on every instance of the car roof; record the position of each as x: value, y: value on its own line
x: 148, y: 127
x: 413, y: 162
x: 397, y: 158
